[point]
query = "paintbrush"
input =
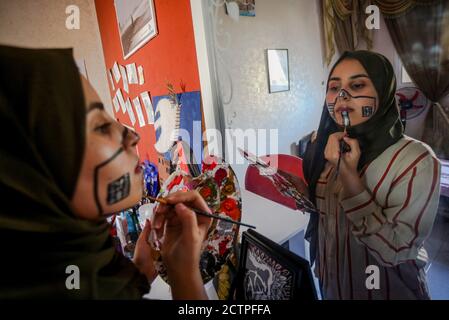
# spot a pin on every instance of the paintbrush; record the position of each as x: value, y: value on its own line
x: 344, y: 147
x: 202, y: 213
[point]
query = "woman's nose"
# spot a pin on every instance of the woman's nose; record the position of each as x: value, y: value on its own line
x: 344, y: 94
x: 130, y: 138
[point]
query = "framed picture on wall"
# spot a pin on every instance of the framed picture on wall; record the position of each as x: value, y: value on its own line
x: 247, y: 8
x: 136, y: 22
x: 278, y: 73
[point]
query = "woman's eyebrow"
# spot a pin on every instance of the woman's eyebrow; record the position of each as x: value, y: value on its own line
x: 360, y: 75
x: 95, y: 105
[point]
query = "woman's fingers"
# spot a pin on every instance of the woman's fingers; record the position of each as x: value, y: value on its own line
x: 177, y: 214
x: 190, y: 222
x: 161, y: 215
x: 352, y: 157
x: 191, y: 198
x: 337, y: 136
x: 353, y: 143
x: 332, y: 150
x: 146, y: 230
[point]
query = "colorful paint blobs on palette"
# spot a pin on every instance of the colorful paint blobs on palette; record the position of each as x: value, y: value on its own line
x: 219, y: 187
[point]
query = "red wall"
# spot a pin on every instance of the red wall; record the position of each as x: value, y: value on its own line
x: 168, y: 57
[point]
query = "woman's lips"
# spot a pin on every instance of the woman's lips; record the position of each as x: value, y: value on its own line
x: 340, y: 109
x: 138, y: 169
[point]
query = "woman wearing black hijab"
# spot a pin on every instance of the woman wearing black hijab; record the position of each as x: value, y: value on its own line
x: 379, y: 206
x: 65, y: 164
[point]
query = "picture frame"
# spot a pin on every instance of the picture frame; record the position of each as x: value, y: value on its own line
x: 136, y: 21
x: 278, y: 70
x: 268, y: 271
x: 247, y: 8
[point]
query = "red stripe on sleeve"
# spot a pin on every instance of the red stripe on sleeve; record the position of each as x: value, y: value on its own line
x: 432, y: 189
x: 381, y: 180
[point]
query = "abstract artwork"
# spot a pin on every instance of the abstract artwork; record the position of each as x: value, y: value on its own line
x: 267, y: 271
x: 265, y: 278
x: 178, y: 125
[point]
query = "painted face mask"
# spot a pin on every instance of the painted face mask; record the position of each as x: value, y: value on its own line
x: 119, y: 183
x: 364, y: 105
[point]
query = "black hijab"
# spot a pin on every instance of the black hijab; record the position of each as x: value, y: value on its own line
x: 374, y: 136
x: 42, y: 116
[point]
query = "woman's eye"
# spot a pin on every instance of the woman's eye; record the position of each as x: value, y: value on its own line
x: 104, y: 128
x: 358, y: 86
x: 333, y: 88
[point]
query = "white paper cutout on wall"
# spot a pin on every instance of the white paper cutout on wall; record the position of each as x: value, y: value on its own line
x: 121, y: 100
x: 110, y: 80
x: 116, y: 103
x: 141, y: 77
x: 130, y: 111
x: 116, y: 72
x: 146, y: 100
x: 132, y: 73
x: 124, y: 78
x: 138, y: 108
x: 167, y: 123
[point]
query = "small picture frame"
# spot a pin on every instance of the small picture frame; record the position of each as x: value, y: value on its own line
x: 136, y: 21
x: 247, y: 8
x: 267, y: 271
x: 278, y: 70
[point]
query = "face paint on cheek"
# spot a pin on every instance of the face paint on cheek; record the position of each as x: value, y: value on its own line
x: 330, y: 108
x: 367, y: 111
x: 96, y: 183
x: 118, y: 189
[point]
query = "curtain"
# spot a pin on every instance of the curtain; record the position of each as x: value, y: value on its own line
x: 394, y: 8
x: 344, y: 25
x: 421, y: 38
x: 344, y: 21
x: 418, y: 39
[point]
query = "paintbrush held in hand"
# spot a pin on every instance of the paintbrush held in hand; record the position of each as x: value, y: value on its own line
x: 202, y: 213
x: 344, y: 147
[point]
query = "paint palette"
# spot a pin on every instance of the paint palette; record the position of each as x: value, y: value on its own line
x: 220, y: 189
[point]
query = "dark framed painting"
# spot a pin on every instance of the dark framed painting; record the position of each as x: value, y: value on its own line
x: 267, y: 271
x: 278, y: 70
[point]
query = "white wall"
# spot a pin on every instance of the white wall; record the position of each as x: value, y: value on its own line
x: 41, y: 23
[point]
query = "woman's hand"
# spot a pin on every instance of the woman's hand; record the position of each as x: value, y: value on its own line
x: 350, y: 159
x: 183, y: 235
x: 352, y: 185
x: 143, y: 254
